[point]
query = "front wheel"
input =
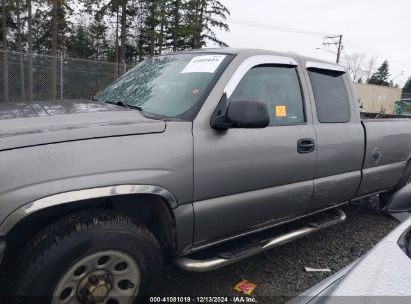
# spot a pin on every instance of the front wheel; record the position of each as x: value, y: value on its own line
x: 89, y: 257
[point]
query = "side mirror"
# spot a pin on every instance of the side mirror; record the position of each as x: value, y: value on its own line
x: 400, y: 201
x: 242, y: 114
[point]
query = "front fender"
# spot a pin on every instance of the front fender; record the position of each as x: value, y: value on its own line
x: 80, y: 195
x: 34, y: 176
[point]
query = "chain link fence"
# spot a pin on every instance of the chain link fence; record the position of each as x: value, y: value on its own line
x: 31, y: 77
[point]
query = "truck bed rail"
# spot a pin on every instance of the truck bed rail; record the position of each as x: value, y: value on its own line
x: 368, y: 115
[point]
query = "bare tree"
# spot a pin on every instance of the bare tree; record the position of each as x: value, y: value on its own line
x: 369, y: 68
x: 5, y: 59
x: 354, y: 64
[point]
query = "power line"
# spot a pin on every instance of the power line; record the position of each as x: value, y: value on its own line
x: 274, y: 27
x: 337, y: 43
x: 335, y: 40
x: 325, y: 36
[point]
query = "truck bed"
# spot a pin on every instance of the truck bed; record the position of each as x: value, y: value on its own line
x: 388, y: 148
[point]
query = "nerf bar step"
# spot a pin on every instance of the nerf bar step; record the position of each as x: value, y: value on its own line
x: 227, y: 258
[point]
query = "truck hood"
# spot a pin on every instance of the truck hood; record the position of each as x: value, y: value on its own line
x: 36, y: 123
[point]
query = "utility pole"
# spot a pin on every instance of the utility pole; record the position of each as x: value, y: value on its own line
x: 335, y: 40
x: 339, y: 48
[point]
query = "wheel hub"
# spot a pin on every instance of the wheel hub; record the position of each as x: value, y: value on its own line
x: 95, y: 287
x: 109, y: 276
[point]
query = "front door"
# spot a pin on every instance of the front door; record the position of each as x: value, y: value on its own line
x: 249, y: 179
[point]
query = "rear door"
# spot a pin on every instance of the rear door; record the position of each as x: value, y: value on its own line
x: 247, y: 179
x: 340, y: 135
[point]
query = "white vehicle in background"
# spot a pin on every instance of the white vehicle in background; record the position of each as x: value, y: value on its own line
x: 383, y: 275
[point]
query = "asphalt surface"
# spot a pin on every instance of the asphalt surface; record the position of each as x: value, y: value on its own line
x: 279, y: 273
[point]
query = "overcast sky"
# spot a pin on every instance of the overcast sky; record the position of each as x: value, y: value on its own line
x: 378, y: 28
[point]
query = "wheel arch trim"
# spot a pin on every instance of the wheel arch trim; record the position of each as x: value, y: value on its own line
x: 79, y: 195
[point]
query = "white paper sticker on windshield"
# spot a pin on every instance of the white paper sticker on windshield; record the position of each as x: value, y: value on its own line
x: 204, y: 64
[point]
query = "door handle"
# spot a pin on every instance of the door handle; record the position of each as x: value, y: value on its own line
x: 305, y: 145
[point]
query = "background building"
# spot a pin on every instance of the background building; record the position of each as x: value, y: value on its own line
x: 377, y: 99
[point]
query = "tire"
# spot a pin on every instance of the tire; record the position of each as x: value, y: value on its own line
x: 405, y: 180
x: 86, y: 239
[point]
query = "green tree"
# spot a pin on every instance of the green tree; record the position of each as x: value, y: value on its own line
x: 100, y: 43
x: 18, y: 30
x: 80, y: 43
x: 147, y: 39
x: 51, y: 28
x: 406, y: 91
x: 51, y: 25
x: 177, y: 25
x: 154, y: 27
x: 381, y: 76
x: 59, y: 25
x: 30, y: 45
x: 177, y: 30
x: 18, y: 11
x: 121, y: 13
x: 123, y: 30
x: 204, y: 16
x: 4, y: 11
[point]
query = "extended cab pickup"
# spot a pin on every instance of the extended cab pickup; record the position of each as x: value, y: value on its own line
x: 183, y: 152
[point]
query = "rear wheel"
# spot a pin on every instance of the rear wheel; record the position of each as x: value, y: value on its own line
x: 90, y: 257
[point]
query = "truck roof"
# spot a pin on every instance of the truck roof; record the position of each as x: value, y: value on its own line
x: 251, y: 52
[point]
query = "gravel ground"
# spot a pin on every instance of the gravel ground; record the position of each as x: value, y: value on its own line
x: 279, y: 273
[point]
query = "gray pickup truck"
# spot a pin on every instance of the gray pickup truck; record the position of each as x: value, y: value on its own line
x: 183, y: 152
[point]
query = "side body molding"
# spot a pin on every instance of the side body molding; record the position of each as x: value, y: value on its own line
x: 78, y: 195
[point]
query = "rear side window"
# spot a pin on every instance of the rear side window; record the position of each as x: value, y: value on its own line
x: 278, y: 87
x: 331, y: 97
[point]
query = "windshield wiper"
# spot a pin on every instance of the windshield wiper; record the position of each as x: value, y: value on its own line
x: 125, y: 105
x: 138, y: 108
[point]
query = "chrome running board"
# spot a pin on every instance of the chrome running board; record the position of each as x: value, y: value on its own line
x: 227, y: 258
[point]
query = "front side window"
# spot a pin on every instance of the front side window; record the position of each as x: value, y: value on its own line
x: 169, y: 86
x: 278, y: 87
x: 331, y: 97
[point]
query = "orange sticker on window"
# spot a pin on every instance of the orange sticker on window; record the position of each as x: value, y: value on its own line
x: 280, y: 111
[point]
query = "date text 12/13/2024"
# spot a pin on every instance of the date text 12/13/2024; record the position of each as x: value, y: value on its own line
x: 209, y: 299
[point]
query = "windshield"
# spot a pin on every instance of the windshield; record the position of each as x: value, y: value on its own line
x: 170, y: 86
